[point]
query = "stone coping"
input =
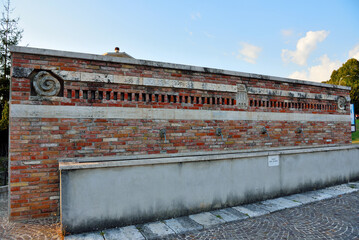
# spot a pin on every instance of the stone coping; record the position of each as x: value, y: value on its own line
x: 141, y: 160
x: 95, y: 57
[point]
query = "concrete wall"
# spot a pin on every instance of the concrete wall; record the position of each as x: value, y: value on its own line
x: 98, y: 195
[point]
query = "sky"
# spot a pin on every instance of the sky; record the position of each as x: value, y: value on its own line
x: 303, y: 39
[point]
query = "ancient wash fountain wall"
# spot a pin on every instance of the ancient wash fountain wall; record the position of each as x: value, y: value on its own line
x: 75, y: 107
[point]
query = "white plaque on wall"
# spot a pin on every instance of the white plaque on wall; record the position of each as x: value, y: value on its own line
x: 273, y: 160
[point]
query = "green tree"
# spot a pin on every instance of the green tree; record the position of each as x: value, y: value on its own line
x: 348, y: 75
x: 10, y: 34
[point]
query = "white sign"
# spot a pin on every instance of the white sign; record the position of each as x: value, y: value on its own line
x: 273, y: 160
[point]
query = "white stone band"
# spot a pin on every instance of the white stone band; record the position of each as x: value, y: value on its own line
x: 49, y: 111
x: 184, y: 84
x: 294, y: 94
x: 144, y: 81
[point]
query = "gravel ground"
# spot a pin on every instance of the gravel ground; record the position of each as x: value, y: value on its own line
x: 48, y: 228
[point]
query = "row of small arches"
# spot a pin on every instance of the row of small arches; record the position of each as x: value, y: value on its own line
x: 149, y: 97
x: 289, y: 104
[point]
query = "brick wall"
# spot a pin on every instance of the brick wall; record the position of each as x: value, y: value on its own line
x: 103, y: 106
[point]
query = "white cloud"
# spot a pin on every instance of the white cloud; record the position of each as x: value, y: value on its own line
x: 354, y: 53
x: 249, y: 52
x: 189, y: 32
x: 302, y: 75
x: 287, y: 32
x: 305, y: 46
x: 318, y: 73
x: 196, y: 15
x: 208, y: 35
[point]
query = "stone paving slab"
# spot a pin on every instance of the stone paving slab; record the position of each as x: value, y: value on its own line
x: 206, y: 219
x: 124, y: 233
x: 252, y: 210
x: 85, y: 236
x: 354, y: 185
x: 273, y: 205
x: 183, y: 224
x: 338, y: 190
x: 346, y: 187
x: 229, y: 214
x: 317, y: 195
x: 154, y: 230
x: 302, y: 198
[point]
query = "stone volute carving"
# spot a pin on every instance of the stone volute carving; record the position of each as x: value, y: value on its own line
x: 341, y: 103
x: 45, y: 84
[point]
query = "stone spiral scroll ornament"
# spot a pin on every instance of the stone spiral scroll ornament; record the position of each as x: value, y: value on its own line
x: 341, y: 103
x: 46, y: 85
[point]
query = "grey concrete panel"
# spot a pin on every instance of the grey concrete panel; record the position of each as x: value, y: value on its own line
x: 313, y: 170
x: 183, y: 224
x: 109, y: 196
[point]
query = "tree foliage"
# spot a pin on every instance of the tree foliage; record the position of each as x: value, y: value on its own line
x: 10, y: 34
x: 348, y: 75
x: 4, y: 121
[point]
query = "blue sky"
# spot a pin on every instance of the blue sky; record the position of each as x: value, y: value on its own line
x: 298, y: 39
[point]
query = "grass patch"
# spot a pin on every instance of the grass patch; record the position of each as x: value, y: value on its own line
x: 355, y: 135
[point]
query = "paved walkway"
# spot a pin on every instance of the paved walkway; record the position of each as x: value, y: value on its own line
x: 331, y: 213
x: 45, y: 229
x: 336, y: 218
